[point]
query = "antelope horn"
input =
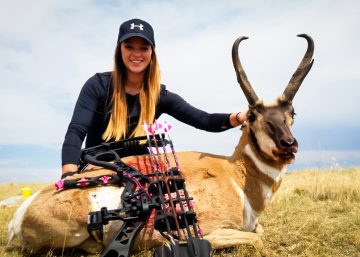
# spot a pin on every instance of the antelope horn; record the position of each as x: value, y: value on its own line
x: 301, y: 72
x: 241, y: 75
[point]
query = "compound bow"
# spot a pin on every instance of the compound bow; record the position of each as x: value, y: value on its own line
x: 163, y: 190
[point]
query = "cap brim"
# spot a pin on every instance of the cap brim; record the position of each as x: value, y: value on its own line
x: 129, y: 35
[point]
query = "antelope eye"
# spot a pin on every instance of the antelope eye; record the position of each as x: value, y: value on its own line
x: 292, y: 117
x: 270, y: 127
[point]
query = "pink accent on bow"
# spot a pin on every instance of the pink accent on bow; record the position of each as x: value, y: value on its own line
x: 191, y: 204
x: 60, y: 184
x: 178, y: 209
x: 83, y: 182
x: 105, y: 179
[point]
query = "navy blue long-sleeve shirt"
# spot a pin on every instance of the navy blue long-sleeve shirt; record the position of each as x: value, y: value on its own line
x: 92, y: 113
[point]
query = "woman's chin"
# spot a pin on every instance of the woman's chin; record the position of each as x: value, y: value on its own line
x: 136, y: 70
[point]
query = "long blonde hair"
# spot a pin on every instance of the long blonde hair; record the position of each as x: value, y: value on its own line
x: 148, y: 96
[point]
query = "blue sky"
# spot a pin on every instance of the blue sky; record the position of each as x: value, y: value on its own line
x: 48, y: 49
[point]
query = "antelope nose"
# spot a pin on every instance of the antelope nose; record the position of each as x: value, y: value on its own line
x: 287, y: 142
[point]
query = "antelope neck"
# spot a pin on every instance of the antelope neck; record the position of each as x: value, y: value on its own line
x: 272, y: 172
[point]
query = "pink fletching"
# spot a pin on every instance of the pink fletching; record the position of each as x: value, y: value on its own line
x: 149, y: 128
x: 60, y: 184
x: 168, y: 127
x: 158, y: 125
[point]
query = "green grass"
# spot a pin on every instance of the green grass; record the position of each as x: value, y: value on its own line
x: 315, y: 213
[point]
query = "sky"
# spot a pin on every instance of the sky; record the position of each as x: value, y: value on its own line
x: 49, y: 48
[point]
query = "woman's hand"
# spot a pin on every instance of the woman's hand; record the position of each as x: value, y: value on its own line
x: 69, y: 170
x: 236, y: 119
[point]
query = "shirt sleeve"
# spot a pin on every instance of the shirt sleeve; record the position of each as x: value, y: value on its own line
x: 85, y: 109
x: 181, y: 110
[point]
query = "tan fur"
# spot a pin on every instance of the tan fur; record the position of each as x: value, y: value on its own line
x: 60, y: 215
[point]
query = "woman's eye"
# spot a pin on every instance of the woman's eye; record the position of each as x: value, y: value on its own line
x: 144, y: 48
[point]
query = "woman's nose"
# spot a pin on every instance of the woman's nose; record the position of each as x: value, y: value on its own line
x: 136, y: 52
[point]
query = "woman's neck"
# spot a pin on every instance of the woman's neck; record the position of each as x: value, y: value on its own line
x: 134, y: 84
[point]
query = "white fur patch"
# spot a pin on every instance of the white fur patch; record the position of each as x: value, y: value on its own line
x: 273, y: 103
x: 272, y: 172
x: 250, y: 216
x: 109, y: 197
x: 14, y: 227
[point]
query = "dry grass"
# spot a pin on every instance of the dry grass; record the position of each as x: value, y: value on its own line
x: 315, y: 213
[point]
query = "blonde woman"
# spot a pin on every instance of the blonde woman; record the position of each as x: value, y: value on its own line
x: 114, y: 105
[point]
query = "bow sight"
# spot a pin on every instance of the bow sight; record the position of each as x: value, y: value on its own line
x: 162, y: 191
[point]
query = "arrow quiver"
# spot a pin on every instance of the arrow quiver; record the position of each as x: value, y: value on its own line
x: 163, y: 192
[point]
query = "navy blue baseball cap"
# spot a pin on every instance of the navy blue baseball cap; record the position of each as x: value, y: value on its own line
x: 136, y: 28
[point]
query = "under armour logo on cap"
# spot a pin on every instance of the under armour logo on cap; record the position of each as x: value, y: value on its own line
x: 133, y: 26
x: 136, y: 28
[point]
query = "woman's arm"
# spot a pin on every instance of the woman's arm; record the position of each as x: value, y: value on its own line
x: 177, y: 107
x: 86, y: 107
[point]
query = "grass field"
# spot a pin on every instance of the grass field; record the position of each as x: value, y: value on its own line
x: 314, y: 213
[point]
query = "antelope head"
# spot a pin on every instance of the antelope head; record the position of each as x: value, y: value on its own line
x: 268, y: 124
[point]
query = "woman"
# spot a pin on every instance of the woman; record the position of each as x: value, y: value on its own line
x: 114, y: 105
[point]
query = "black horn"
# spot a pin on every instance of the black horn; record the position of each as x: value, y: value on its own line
x: 301, y: 71
x: 241, y: 75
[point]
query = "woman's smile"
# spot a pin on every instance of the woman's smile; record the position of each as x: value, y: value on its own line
x: 136, y: 54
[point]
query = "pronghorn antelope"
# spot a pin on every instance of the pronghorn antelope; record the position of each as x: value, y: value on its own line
x: 229, y: 192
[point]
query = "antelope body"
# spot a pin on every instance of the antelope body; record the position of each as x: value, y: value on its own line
x: 229, y: 192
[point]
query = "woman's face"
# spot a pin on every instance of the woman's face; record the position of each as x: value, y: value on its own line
x: 136, y: 55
